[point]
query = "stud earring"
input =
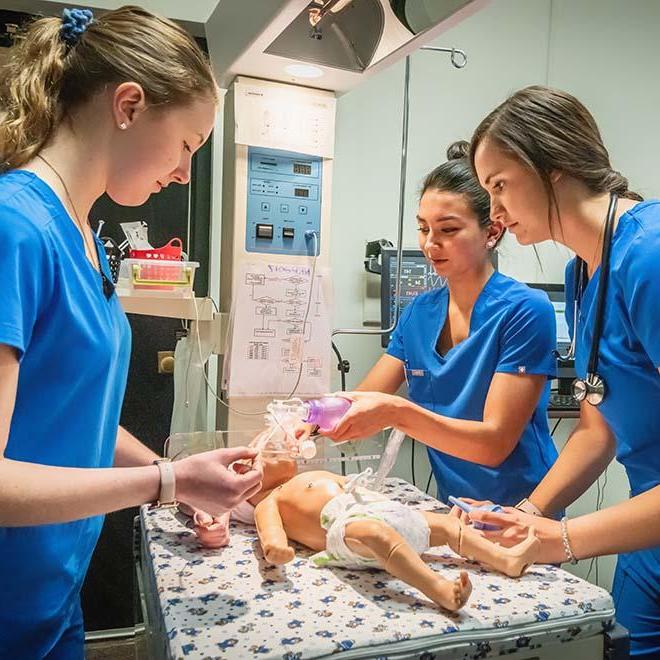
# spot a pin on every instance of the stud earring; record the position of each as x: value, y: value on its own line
x: 123, y: 126
x: 490, y: 244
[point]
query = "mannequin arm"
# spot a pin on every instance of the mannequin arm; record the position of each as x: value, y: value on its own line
x: 273, y: 538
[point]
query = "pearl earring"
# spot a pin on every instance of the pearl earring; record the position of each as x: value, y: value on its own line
x: 490, y: 244
x: 123, y: 126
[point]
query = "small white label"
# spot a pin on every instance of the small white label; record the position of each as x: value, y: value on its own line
x: 522, y: 369
x: 417, y: 372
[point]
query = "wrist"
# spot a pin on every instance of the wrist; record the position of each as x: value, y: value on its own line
x: 569, y: 554
x: 398, y: 409
x: 526, y: 506
x: 167, y: 491
x: 182, y: 480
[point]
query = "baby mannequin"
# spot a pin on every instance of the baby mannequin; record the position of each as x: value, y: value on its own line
x: 362, y: 528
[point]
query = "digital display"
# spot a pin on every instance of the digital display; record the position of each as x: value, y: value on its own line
x: 301, y: 192
x: 302, y: 168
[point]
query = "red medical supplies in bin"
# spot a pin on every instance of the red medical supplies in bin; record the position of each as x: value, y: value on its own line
x: 171, y: 251
x: 158, y: 270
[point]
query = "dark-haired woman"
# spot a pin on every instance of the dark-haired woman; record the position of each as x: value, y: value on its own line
x: 541, y: 158
x: 476, y: 354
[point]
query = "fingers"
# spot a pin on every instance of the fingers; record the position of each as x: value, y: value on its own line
x: 493, y: 518
x: 303, y: 431
x: 252, y: 492
x: 186, y: 509
x: 350, y: 396
x: 202, y: 519
x: 457, y: 512
x: 228, y: 456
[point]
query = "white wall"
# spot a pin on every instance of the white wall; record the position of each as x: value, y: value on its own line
x: 603, y: 51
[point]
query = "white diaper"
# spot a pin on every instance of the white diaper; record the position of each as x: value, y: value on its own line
x: 366, y: 504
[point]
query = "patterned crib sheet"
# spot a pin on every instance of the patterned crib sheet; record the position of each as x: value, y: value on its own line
x: 229, y: 603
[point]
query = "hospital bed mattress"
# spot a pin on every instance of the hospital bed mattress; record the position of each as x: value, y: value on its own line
x: 229, y: 603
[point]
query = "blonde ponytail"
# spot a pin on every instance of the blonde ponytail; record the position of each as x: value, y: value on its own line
x: 29, y: 93
x: 52, y: 71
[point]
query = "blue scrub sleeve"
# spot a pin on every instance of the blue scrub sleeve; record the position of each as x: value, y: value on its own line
x: 24, y: 280
x: 396, y: 347
x: 528, y: 338
x: 641, y: 290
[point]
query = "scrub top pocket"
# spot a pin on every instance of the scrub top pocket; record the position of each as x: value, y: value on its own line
x: 420, y: 386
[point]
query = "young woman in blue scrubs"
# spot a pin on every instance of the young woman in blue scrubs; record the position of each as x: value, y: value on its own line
x: 112, y: 105
x: 541, y: 158
x: 476, y: 354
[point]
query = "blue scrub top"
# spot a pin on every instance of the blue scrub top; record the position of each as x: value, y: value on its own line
x: 74, y: 348
x: 629, y: 359
x: 512, y: 330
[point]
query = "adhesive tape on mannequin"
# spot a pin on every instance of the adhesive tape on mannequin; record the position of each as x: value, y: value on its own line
x: 308, y: 449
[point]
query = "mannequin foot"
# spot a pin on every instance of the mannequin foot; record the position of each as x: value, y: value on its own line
x: 452, y: 595
x: 522, y: 555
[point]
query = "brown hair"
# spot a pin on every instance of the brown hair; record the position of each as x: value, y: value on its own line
x: 550, y: 130
x: 47, y: 77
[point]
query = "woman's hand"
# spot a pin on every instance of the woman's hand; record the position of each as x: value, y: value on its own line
x: 514, y: 527
x: 207, y: 482
x: 462, y: 515
x: 371, y: 412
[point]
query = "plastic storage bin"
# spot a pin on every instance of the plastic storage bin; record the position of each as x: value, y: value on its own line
x: 157, y: 277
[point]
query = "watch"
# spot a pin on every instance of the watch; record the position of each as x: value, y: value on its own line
x: 527, y: 507
x: 167, y: 493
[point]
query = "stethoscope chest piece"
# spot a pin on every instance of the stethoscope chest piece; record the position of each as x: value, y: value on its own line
x: 590, y: 389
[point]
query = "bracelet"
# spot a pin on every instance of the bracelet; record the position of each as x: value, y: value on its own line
x: 570, y: 557
x: 527, y: 507
x: 167, y: 490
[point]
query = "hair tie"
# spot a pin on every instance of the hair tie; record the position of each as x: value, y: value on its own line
x: 74, y: 23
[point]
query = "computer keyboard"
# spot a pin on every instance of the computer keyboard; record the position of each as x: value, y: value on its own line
x: 563, y: 402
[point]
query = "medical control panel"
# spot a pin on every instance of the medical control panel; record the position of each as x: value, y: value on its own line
x: 283, y: 202
x: 417, y: 276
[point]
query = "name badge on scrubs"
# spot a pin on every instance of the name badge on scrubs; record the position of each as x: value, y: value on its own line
x: 417, y: 372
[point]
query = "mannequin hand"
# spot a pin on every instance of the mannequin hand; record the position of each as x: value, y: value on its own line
x: 370, y: 413
x: 278, y: 554
x: 212, y: 531
x: 205, y: 481
x: 514, y: 528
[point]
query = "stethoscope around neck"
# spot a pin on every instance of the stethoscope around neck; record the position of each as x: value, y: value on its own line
x: 592, y: 388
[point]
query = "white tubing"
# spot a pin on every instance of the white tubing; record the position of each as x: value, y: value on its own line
x: 388, y: 459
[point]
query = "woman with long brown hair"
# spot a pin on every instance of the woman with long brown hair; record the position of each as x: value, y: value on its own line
x: 541, y: 158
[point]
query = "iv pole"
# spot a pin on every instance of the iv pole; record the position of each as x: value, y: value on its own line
x: 459, y: 60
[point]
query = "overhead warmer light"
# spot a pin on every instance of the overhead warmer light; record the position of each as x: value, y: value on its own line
x: 347, y: 39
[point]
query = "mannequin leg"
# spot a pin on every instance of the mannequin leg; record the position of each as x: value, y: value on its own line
x: 467, y: 542
x: 373, y: 538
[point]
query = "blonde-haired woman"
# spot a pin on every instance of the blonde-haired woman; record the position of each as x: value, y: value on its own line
x: 89, y: 106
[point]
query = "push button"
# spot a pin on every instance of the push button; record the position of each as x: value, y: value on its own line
x: 265, y: 231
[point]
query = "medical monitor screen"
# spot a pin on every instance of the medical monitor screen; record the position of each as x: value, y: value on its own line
x: 417, y: 276
x: 555, y: 293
